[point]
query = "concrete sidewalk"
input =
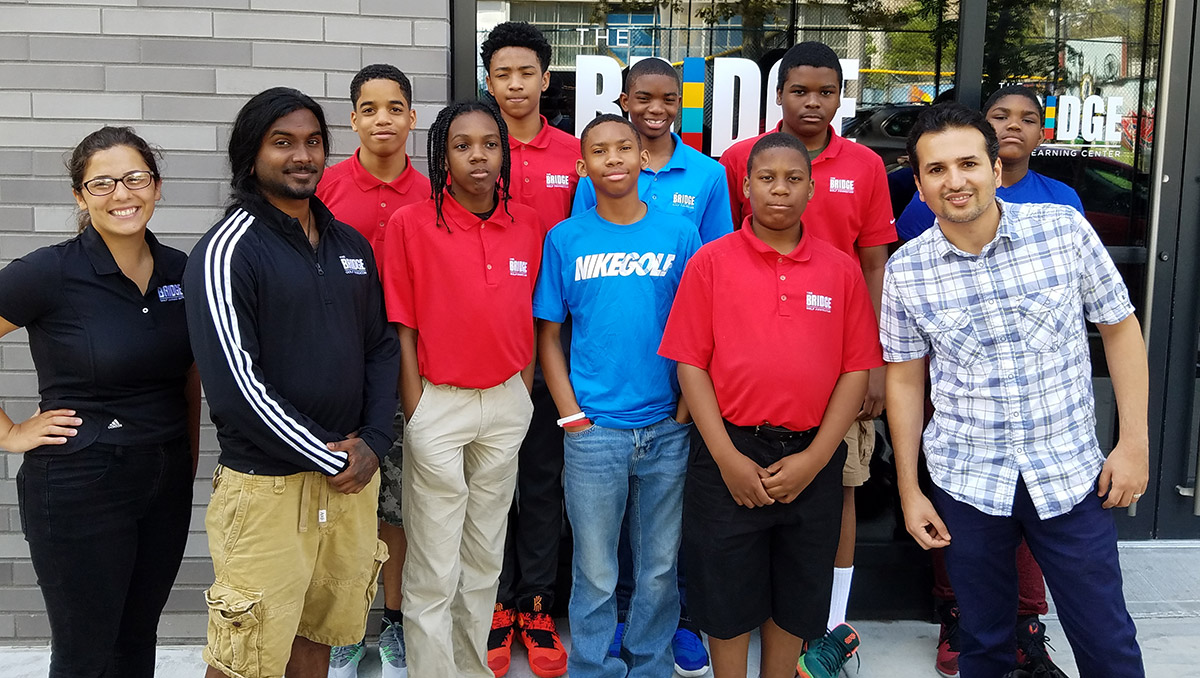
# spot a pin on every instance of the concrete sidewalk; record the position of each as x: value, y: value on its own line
x: 902, y: 649
x: 1161, y: 584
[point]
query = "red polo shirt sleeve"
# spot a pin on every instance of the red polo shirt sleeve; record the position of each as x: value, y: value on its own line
x: 860, y: 343
x: 688, y: 336
x: 395, y: 271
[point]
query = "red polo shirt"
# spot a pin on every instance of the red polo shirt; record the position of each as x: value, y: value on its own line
x: 357, y: 197
x: 543, y: 173
x: 466, y: 287
x: 850, y: 207
x: 773, y: 331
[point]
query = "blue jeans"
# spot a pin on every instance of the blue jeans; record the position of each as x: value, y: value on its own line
x: 605, y: 468
x: 1078, y: 554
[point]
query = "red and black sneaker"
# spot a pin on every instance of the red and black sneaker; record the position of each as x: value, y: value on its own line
x: 547, y: 656
x: 1032, y: 655
x: 499, y: 648
x: 946, y: 663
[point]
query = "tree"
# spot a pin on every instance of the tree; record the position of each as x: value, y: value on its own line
x: 1011, y: 49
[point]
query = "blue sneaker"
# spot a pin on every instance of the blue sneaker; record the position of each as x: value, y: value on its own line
x: 344, y: 659
x: 691, y: 657
x: 614, y: 650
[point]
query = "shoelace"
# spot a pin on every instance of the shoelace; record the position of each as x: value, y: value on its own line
x: 342, y: 654
x: 539, y: 627
x: 390, y: 648
x: 950, y: 629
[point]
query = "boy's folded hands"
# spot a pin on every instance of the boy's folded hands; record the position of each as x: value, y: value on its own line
x: 790, y: 475
x: 745, y: 480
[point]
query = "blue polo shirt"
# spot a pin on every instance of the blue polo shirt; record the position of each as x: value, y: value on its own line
x: 617, y: 282
x: 1033, y: 187
x: 691, y: 185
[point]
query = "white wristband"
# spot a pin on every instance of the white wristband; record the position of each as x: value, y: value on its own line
x: 570, y: 418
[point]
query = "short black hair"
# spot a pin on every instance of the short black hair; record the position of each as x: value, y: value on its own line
x: 777, y: 140
x: 1010, y: 91
x: 600, y: 120
x: 380, y: 72
x: 252, y: 124
x: 515, y: 34
x: 949, y: 116
x: 651, y: 66
x: 811, y: 53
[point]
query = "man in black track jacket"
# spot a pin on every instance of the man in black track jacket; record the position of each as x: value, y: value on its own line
x: 300, y: 368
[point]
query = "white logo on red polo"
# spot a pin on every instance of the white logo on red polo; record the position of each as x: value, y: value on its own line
x: 518, y: 268
x: 623, y: 264
x: 841, y: 185
x: 558, y: 180
x: 818, y: 302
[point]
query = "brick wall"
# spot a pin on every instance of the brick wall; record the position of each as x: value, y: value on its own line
x: 177, y: 70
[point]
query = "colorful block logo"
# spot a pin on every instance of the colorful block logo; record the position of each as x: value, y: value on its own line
x: 691, y: 126
x: 1051, y: 117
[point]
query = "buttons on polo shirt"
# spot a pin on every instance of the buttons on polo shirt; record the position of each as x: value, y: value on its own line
x: 783, y: 297
x: 526, y: 179
x: 783, y: 277
x: 383, y: 204
x: 489, y: 267
x: 145, y: 310
x: 526, y: 163
x: 780, y: 260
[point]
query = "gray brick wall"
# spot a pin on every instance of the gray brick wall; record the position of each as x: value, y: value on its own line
x: 177, y: 70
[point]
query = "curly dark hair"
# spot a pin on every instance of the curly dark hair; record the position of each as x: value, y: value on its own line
x: 439, y: 133
x: 811, y: 53
x: 516, y: 34
x: 380, y: 72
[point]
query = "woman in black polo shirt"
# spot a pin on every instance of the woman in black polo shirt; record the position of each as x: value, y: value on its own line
x: 105, y: 485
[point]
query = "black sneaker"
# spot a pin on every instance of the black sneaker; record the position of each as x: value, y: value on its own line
x: 1032, y: 656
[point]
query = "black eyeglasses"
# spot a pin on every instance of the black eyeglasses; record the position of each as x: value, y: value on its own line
x: 135, y: 180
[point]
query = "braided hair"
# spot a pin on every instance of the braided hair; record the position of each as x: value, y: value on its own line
x: 439, y: 134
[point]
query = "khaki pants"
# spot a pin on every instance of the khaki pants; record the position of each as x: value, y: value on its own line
x: 460, y: 470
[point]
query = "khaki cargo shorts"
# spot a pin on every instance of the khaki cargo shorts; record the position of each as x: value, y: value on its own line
x: 860, y: 445
x: 292, y: 557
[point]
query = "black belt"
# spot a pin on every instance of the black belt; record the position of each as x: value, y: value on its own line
x: 769, y: 432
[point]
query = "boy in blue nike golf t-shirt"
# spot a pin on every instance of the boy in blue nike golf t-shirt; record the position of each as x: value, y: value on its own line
x: 614, y: 269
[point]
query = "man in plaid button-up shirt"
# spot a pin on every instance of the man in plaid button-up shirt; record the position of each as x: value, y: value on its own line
x: 996, y: 298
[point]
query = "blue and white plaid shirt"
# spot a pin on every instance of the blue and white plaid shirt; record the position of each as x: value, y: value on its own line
x: 1010, y: 368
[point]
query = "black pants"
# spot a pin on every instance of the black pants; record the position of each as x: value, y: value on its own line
x: 106, y: 528
x: 536, y: 521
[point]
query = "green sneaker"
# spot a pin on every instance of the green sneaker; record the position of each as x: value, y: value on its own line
x: 344, y: 659
x: 825, y: 656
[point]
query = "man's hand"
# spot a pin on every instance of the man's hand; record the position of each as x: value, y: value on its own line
x: 1125, y: 474
x: 872, y: 405
x: 361, y: 467
x: 52, y: 427
x: 923, y: 522
x: 790, y: 475
x: 744, y: 480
